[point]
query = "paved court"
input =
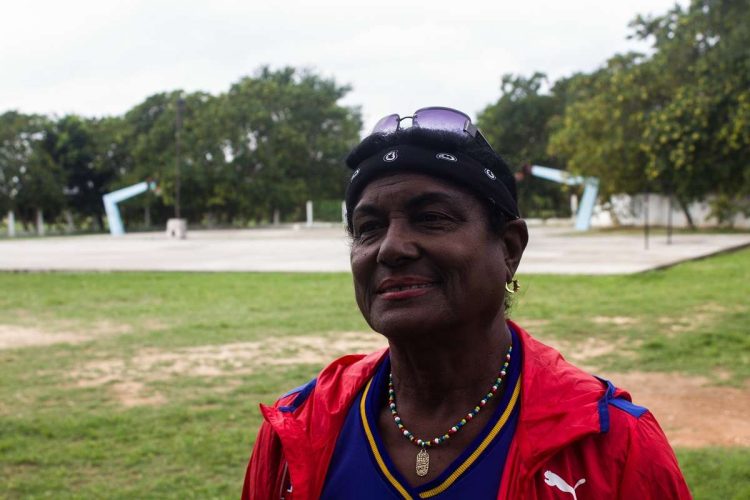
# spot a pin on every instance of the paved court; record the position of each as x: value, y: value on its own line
x: 550, y: 250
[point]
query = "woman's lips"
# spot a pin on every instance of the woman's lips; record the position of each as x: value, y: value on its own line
x: 403, y: 289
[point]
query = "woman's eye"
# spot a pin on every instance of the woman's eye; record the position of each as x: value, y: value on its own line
x: 366, y: 227
x: 430, y: 217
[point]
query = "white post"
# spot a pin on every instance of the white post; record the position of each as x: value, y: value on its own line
x: 11, y: 224
x: 69, y: 227
x: 343, y: 213
x: 276, y: 217
x: 39, y: 222
x: 309, y: 210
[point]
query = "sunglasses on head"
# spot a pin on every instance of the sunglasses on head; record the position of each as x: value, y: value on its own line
x: 432, y: 118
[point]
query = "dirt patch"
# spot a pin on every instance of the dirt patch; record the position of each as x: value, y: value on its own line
x: 135, y: 394
x: 699, y: 317
x: 614, y: 320
x: 13, y: 337
x: 64, y: 332
x: 581, y: 352
x: 128, y: 378
x: 692, y: 413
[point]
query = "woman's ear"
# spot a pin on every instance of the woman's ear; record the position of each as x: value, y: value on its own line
x: 515, y: 237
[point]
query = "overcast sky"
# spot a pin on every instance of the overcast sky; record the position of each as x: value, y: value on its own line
x: 102, y: 57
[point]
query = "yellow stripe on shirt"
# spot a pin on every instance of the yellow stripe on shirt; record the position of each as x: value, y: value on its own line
x: 374, y: 447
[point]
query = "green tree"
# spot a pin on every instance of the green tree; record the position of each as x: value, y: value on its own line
x: 30, y: 181
x: 78, y: 147
x: 599, y: 133
x: 698, y: 142
x: 271, y: 142
x: 518, y: 125
x: 285, y: 137
x: 148, y: 141
x: 675, y: 121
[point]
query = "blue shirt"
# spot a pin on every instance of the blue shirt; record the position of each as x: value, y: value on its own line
x: 361, y: 468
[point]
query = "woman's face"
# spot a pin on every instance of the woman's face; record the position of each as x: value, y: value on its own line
x: 423, y: 257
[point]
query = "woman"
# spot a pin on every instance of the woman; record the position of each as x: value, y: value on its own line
x: 463, y: 403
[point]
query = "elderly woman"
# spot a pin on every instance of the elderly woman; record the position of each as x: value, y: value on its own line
x: 463, y: 403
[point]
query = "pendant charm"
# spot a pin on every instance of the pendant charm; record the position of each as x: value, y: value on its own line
x: 423, y: 463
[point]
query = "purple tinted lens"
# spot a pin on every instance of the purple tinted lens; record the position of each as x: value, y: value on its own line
x: 441, y: 119
x: 386, y: 125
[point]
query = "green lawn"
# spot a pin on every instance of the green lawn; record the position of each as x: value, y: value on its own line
x: 65, y: 433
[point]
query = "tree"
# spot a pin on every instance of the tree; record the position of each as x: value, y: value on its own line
x: 30, y: 181
x: 285, y: 137
x: 676, y: 121
x: 79, y: 148
x: 148, y: 139
x: 271, y: 142
x: 518, y: 125
x: 698, y: 143
x: 599, y: 133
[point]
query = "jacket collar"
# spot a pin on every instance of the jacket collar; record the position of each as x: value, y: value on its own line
x: 308, y: 434
x: 560, y: 404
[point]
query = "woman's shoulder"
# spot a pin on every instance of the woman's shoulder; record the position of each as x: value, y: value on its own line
x: 342, y: 377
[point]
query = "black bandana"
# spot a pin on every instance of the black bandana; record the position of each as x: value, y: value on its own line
x: 454, y: 167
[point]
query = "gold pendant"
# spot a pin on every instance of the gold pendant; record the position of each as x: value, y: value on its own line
x: 423, y: 463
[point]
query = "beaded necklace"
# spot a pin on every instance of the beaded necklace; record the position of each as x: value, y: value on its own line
x: 423, y: 458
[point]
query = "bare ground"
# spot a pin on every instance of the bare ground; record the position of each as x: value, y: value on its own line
x: 692, y: 412
x: 13, y: 337
x: 127, y: 379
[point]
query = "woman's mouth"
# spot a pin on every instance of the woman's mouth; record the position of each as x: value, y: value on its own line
x: 406, y: 289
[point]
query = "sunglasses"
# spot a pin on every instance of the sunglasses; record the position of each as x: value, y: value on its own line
x: 433, y: 118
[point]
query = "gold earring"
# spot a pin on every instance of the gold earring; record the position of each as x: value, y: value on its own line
x: 516, y: 286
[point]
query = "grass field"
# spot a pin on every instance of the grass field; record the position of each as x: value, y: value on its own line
x: 146, y: 385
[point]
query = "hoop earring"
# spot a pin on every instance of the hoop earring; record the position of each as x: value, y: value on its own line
x: 516, y: 286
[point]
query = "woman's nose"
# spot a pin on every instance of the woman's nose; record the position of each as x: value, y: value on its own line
x: 399, y: 244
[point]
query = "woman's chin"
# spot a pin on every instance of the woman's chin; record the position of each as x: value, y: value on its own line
x: 406, y: 325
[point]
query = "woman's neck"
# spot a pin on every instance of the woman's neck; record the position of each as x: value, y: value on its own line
x: 442, y: 372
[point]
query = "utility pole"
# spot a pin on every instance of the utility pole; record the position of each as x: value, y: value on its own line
x: 178, y: 138
x: 669, y: 219
x: 645, y: 220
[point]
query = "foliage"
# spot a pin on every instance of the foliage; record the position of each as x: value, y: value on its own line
x: 29, y: 178
x: 518, y: 127
x: 284, y: 140
x: 74, y: 145
x: 699, y: 141
x: 273, y: 141
x: 675, y: 121
x: 599, y: 132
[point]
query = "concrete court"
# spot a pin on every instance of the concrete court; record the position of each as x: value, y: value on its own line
x: 551, y: 250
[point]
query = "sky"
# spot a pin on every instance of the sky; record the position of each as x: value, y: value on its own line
x: 102, y: 57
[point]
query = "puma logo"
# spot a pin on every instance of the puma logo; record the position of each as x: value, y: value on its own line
x: 553, y: 479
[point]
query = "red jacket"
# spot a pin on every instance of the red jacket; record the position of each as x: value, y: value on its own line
x: 572, y: 427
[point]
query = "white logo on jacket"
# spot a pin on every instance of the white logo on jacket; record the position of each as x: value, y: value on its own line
x: 552, y: 479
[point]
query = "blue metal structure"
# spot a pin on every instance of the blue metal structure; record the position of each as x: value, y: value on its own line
x: 590, y: 190
x: 112, y: 199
